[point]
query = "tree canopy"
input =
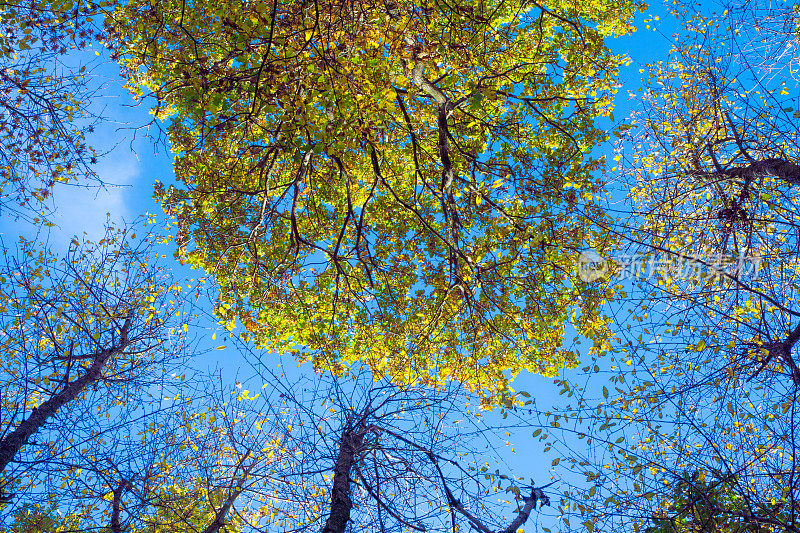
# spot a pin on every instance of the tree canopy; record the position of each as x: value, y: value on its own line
x: 84, y: 336
x: 403, y: 184
x: 44, y: 101
x: 691, y: 425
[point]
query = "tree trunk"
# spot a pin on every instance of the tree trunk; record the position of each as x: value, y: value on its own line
x: 116, y: 526
x: 341, y: 504
x: 13, y: 442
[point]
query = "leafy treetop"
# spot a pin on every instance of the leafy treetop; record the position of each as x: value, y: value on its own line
x: 406, y: 184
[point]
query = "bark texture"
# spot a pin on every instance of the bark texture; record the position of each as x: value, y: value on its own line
x: 341, y: 504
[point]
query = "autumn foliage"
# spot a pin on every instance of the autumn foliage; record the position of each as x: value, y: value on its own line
x: 404, y: 184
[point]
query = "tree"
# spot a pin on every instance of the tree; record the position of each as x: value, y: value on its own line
x: 206, y: 476
x: 44, y: 103
x: 716, y: 184
x: 403, y: 184
x: 361, y: 454
x: 309, y: 454
x: 36, y: 519
x: 85, y: 340
x: 704, y: 379
x: 701, y: 506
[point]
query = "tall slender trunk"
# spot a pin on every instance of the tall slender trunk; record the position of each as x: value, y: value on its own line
x: 14, y: 441
x: 341, y: 504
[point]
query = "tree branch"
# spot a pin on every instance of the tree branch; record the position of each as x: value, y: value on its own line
x: 12, y: 443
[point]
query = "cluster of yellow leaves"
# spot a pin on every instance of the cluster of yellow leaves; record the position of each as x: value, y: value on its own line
x: 405, y: 185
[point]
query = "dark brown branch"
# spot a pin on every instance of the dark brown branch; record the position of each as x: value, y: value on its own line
x: 537, y: 495
x: 12, y: 443
x: 738, y: 139
x: 298, y: 239
x: 219, y: 517
x: 781, y: 351
x: 780, y: 168
x: 341, y: 504
x: 444, y: 154
x: 452, y: 501
x: 116, y: 527
x: 784, y: 352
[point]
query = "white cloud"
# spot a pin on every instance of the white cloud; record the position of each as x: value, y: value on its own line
x: 86, y: 210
